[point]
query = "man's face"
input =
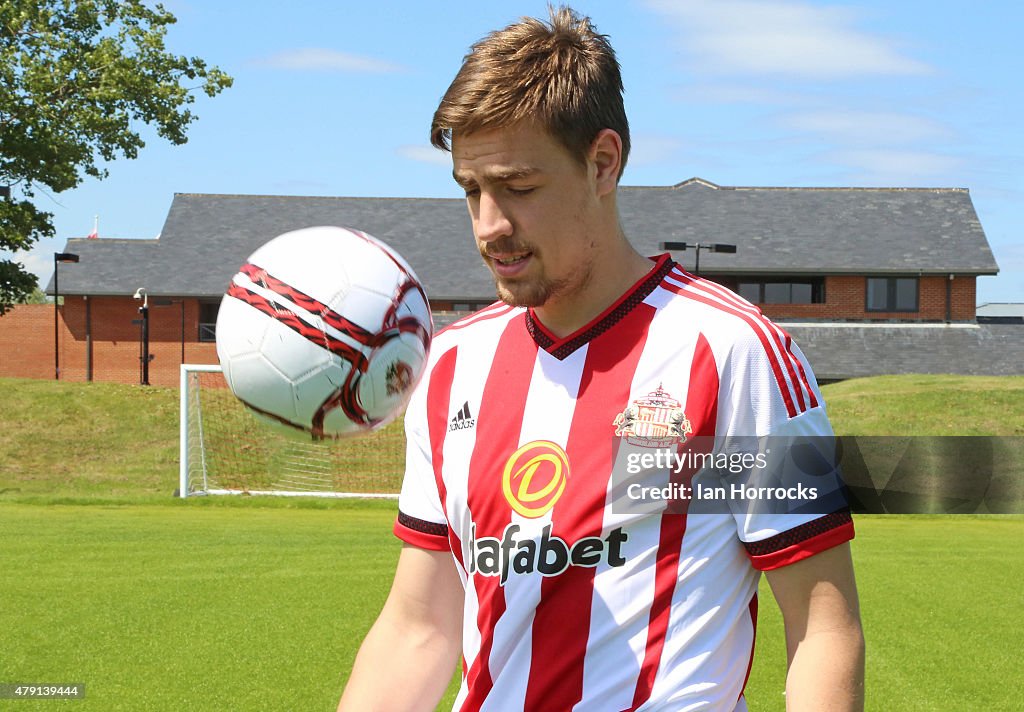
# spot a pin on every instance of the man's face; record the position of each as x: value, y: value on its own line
x: 532, y: 205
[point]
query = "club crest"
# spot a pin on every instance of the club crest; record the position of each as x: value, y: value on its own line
x: 656, y: 420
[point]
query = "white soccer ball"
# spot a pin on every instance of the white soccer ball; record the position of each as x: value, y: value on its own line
x: 324, y: 330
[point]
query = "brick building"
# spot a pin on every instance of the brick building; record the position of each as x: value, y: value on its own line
x: 99, y: 339
x: 828, y: 262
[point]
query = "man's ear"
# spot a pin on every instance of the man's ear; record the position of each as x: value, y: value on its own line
x: 605, y: 157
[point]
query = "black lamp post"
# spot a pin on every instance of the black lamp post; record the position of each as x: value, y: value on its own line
x: 140, y: 293
x: 698, y: 246
x: 58, y: 257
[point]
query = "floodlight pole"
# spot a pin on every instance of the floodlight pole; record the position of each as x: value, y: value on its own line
x: 58, y: 257
x: 140, y: 293
x: 144, y: 310
x: 698, y: 246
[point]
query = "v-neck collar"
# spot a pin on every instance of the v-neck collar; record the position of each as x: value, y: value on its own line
x: 564, y: 347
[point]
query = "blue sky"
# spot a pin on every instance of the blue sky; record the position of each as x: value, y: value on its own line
x: 335, y: 98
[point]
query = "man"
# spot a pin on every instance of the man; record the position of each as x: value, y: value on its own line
x: 514, y: 553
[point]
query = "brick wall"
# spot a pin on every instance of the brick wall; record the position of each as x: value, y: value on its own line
x: 26, y: 340
x: 845, y: 299
x: 26, y: 331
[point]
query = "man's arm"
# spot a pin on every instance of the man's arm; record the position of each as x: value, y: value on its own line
x: 409, y: 655
x: 824, y: 639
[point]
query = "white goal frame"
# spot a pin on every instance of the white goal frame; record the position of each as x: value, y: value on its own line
x: 310, y: 469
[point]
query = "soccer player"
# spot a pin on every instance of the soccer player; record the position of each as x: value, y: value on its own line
x: 515, y: 557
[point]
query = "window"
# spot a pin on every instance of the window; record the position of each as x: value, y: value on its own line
x: 892, y: 294
x: 782, y: 291
x: 208, y: 320
x: 751, y: 291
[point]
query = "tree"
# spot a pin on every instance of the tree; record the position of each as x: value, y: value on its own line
x: 37, y: 296
x: 77, y: 77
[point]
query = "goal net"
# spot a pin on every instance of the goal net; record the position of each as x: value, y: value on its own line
x: 225, y: 449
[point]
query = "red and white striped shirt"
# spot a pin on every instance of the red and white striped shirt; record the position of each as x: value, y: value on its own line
x: 571, y: 605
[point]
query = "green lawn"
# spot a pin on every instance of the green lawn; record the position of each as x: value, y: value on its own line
x: 87, y: 440
x: 927, y: 405
x: 260, y: 603
x: 941, y: 603
x: 190, y: 608
x: 177, y: 607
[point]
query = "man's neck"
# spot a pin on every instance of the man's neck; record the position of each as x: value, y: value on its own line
x: 614, y: 275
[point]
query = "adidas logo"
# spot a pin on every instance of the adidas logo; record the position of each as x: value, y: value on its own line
x: 463, y: 420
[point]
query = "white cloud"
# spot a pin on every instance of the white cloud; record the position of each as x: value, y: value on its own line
x: 425, y: 154
x: 867, y: 127
x: 738, y: 94
x: 38, y: 260
x: 784, y: 37
x: 646, y: 149
x: 899, y: 167
x: 327, y: 60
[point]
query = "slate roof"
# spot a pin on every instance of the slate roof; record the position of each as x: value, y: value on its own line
x: 814, y: 230
x: 777, y: 230
x: 206, y: 238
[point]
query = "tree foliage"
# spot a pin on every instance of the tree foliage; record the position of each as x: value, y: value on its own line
x: 77, y: 79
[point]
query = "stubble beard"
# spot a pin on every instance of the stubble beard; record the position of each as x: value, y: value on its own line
x: 543, y: 290
x: 534, y: 294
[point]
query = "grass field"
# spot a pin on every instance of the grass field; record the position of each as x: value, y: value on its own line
x: 259, y: 603
x: 927, y: 405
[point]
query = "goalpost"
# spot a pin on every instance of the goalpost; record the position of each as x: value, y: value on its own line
x: 225, y: 449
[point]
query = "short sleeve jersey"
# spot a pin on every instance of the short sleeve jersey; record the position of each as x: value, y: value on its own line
x: 511, y: 436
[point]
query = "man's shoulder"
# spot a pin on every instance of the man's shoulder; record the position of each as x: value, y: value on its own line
x: 726, y: 320
x: 748, y: 348
x: 466, y: 346
x: 473, y: 327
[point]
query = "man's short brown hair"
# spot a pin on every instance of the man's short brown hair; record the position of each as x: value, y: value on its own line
x: 562, y: 76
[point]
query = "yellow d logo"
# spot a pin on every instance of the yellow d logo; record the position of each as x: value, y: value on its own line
x: 534, y: 477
